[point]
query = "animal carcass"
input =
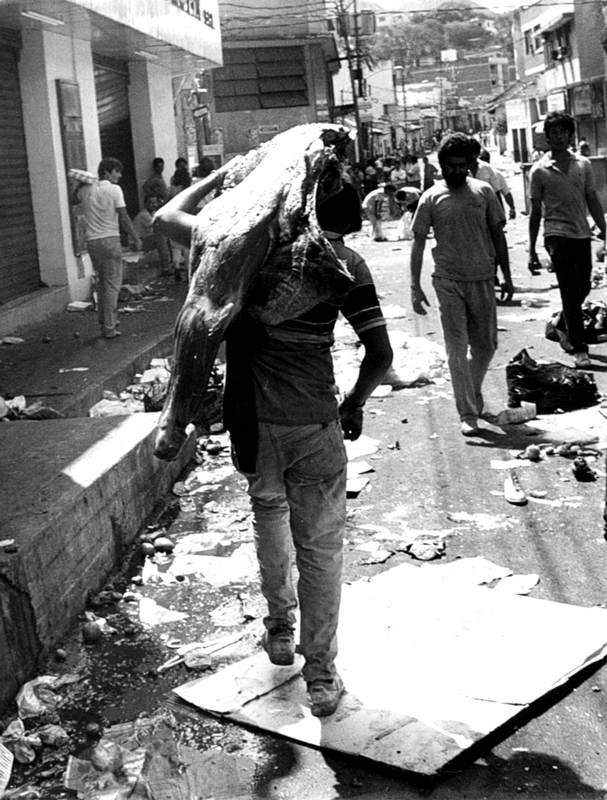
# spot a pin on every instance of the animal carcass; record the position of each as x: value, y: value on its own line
x: 262, y: 224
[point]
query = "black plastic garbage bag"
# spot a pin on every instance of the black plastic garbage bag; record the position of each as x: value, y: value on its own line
x: 550, y: 385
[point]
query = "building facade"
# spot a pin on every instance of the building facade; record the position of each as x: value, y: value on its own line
x: 279, y: 56
x: 83, y: 79
x: 560, y: 65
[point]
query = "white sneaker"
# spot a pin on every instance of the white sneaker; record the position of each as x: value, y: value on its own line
x: 513, y: 492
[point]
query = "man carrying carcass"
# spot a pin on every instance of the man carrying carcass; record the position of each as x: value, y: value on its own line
x: 287, y: 431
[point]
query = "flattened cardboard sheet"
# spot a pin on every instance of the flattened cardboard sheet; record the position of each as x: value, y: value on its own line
x: 431, y: 662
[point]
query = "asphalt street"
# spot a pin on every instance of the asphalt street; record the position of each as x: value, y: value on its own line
x: 427, y: 477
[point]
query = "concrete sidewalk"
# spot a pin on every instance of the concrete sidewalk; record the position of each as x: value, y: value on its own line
x: 74, y: 491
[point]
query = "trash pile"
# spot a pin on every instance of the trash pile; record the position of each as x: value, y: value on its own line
x: 16, y: 408
x: 148, y: 393
x: 35, y: 733
x: 417, y: 360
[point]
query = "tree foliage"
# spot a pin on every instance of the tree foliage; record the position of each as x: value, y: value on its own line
x: 452, y: 26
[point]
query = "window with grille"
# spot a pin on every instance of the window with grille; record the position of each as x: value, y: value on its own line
x: 265, y: 77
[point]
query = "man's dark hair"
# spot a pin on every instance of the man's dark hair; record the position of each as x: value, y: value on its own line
x: 107, y: 165
x: 389, y: 187
x: 181, y: 162
x: 341, y: 212
x: 560, y: 118
x: 475, y: 146
x: 484, y: 155
x: 157, y: 162
x: 456, y: 145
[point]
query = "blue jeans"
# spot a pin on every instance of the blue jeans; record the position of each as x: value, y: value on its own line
x: 106, y: 257
x: 298, y: 496
x: 469, y: 321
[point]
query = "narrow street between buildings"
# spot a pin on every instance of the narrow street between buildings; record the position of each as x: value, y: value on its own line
x: 186, y: 602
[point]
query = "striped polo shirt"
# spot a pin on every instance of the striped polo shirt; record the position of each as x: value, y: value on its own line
x: 293, y: 368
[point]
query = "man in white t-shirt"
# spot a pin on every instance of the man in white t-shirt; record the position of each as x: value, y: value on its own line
x: 105, y: 214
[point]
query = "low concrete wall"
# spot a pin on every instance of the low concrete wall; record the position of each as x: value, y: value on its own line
x: 74, y: 497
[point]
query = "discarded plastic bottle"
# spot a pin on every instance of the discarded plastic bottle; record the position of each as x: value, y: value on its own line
x: 513, y: 416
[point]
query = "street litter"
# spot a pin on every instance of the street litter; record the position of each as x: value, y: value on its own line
x: 416, y: 361
x: 484, y: 522
x: 151, y: 613
x: 239, y: 567
x: 517, y: 584
x: 11, y: 340
x: 73, y: 369
x: 79, y: 305
x: 354, y: 486
x: 355, y: 468
x: 144, y: 759
x: 426, y: 548
x: 475, y: 657
x: 196, y: 655
x: 377, y: 554
x: 6, y: 767
x: 513, y: 416
x: 116, y: 408
x: 37, y: 697
x: 513, y: 492
x: 363, y: 446
x: 22, y: 744
x: 582, y: 470
x: 473, y: 569
x: 550, y: 385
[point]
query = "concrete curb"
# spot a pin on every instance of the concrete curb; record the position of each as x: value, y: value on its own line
x: 93, y: 483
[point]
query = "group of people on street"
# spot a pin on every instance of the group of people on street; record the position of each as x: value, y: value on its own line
x: 292, y: 454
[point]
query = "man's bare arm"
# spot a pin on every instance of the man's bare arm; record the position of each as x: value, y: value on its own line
x: 418, y: 298
x: 596, y: 211
x: 176, y: 218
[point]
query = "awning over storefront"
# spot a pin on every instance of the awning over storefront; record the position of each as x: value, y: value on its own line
x: 555, y: 21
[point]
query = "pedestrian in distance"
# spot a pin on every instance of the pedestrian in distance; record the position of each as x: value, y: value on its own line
x: 143, y: 223
x: 287, y: 432
x: 181, y: 178
x: 407, y: 199
x: 429, y: 173
x: 563, y: 193
x: 180, y: 255
x: 468, y: 224
x: 503, y: 189
x: 105, y: 215
x: 413, y: 170
x: 377, y: 205
x: 584, y: 147
x: 398, y: 176
x: 156, y: 185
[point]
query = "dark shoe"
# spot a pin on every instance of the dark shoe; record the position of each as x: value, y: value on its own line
x: 324, y: 696
x: 279, y: 644
x: 469, y: 427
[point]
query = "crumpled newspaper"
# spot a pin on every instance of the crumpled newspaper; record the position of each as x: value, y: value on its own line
x: 21, y: 744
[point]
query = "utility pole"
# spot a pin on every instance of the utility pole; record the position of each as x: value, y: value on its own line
x: 354, y: 70
x: 353, y: 26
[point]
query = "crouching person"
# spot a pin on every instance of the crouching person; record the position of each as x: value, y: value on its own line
x: 287, y: 432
